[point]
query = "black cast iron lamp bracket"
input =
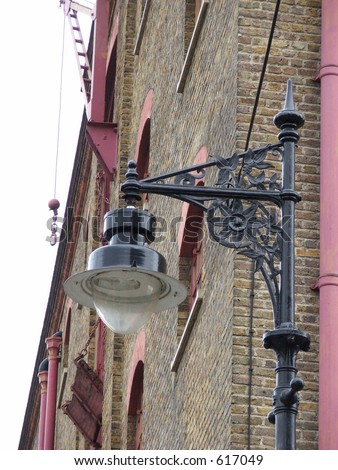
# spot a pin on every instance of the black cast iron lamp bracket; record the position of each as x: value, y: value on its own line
x: 249, y: 208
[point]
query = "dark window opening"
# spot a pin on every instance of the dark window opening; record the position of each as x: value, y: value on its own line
x: 143, y: 157
x: 192, y: 250
x: 134, y: 437
x: 110, y: 85
x: 192, y: 8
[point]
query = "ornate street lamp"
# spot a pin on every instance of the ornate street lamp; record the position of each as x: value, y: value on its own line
x: 247, y: 209
x: 126, y: 281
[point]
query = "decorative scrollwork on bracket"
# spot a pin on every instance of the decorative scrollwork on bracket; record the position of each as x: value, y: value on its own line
x: 240, y: 171
x: 255, y: 231
x: 189, y: 178
x: 251, y: 227
x: 238, y: 224
x: 246, y: 171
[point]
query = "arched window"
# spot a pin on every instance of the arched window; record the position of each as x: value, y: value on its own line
x: 192, y: 8
x: 190, y: 247
x: 111, y: 74
x: 142, y: 14
x: 135, y: 394
x: 142, y: 150
x: 195, y: 11
x: 134, y: 432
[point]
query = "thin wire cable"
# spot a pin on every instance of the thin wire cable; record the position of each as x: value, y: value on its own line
x: 265, y: 63
x: 60, y: 106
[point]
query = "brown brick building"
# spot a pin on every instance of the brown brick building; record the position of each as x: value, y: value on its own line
x: 181, y: 82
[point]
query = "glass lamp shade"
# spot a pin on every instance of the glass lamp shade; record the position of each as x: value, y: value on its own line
x: 125, y: 299
x: 125, y: 284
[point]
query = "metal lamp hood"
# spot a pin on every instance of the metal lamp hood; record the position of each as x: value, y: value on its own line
x: 126, y: 281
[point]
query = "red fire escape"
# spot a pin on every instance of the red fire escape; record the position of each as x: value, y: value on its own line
x: 101, y: 133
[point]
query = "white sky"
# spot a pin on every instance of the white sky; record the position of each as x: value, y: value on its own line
x: 31, y: 41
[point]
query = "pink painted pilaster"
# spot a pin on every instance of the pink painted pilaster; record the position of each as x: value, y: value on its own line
x: 328, y: 281
x: 43, y: 380
x: 53, y: 345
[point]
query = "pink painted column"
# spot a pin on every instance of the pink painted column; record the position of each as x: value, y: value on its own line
x: 53, y: 345
x: 328, y: 281
x: 43, y: 380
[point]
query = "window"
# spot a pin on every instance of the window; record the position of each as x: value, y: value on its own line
x: 195, y: 12
x: 111, y: 75
x: 145, y: 6
x: 142, y: 150
x: 134, y: 431
x: 110, y: 85
x: 190, y: 246
x: 135, y: 394
x: 192, y: 8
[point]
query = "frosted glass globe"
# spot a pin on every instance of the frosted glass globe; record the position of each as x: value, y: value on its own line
x: 125, y: 300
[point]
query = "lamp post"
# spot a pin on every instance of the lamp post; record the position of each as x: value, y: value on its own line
x: 247, y: 209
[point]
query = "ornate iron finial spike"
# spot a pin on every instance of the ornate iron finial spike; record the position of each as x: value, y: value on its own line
x: 289, y: 103
x: 131, y: 165
x: 131, y: 185
x: 289, y: 117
